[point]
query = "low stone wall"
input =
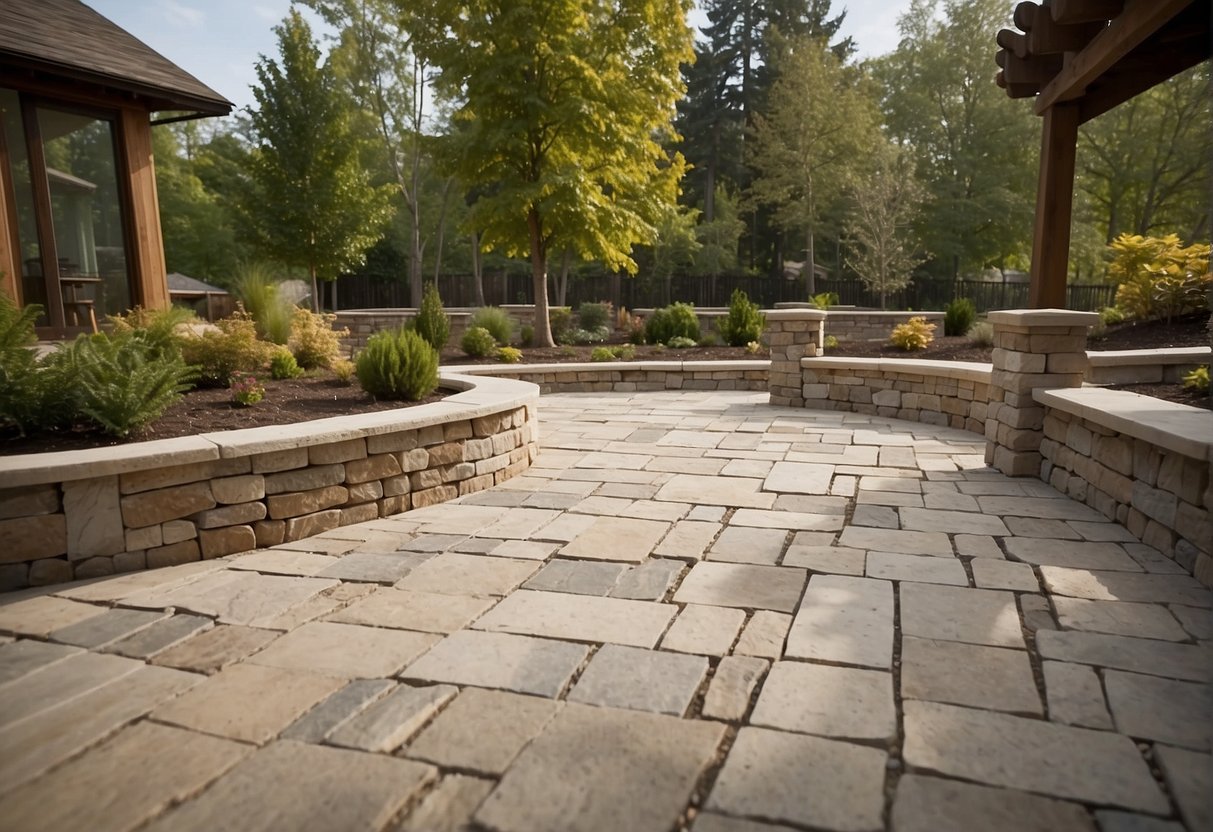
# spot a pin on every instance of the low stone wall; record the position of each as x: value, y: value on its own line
x: 951, y: 393
x: 633, y: 376
x: 80, y: 514
x: 1145, y: 366
x: 1139, y: 461
x: 872, y: 324
x: 363, y: 323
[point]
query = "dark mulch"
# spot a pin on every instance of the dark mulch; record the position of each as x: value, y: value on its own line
x: 208, y: 409
x: 943, y: 348
x: 1183, y: 331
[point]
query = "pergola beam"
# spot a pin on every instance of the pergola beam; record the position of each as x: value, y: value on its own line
x: 1054, y: 201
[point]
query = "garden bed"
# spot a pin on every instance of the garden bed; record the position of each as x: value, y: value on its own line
x: 452, y: 356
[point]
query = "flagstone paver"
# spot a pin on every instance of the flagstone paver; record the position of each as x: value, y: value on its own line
x: 792, y: 619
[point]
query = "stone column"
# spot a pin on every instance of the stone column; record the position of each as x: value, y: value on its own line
x: 1033, y: 348
x: 793, y: 334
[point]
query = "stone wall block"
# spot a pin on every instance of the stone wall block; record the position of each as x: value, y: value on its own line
x: 149, y: 537
x: 94, y: 518
x: 269, y: 532
x: 1155, y: 503
x: 151, y: 507
x: 375, y: 467
x: 430, y: 435
x: 365, y: 492
x: 130, y: 561
x: 175, y: 531
x: 49, y: 571
x: 432, y: 496
x: 33, y: 538
x: 233, y: 515
x: 1068, y: 362
x: 186, y: 551
x: 474, y: 484
x: 415, y: 460
x: 308, y: 525
x: 216, y: 543
x: 358, y: 514
x: 243, y: 489
x: 447, y: 453
x: 276, y: 461
x: 393, y: 505
x: 390, y: 443
x: 26, y: 502
x: 454, y: 431
x: 303, y: 479
x: 306, y: 502
x: 396, y: 486
x: 332, y: 452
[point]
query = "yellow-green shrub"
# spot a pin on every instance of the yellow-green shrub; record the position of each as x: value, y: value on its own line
x: 914, y: 334
x: 1158, y: 276
x: 398, y: 364
x: 509, y: 355
x: 231, y: 347
x: 313, y: 341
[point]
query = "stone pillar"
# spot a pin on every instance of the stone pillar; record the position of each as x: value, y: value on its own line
x: 793, y: 334
x: 1033, y: 348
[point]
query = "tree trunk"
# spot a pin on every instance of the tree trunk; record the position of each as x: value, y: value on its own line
x: 709, y: 188
x: 315, y: 293
x: 477, y: 271
x: 810, y: 266
x: 539, y: 279
x: 334, y: 294
x: 562, y: 280
x: 446, y: 192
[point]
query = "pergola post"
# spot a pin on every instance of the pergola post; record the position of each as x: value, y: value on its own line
x: 1054, y: 202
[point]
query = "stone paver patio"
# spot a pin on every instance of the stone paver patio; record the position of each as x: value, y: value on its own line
x: 695, y: 611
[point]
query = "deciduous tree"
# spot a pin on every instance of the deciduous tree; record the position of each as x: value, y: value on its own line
x: 884, y: 204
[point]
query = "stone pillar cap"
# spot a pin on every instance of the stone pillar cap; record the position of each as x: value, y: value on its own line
x: 1042, y: 317
x: 794, y: 314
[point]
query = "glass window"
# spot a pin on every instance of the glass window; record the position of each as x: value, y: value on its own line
x: 33, y: 283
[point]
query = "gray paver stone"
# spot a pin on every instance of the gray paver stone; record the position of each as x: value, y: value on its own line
x: 483, y: 730
x: 388, y: 722
x: 892, y: 566
x: 18, y: 658
x: 374, y: 567
x: 1188, y: 774
x: 1003, y: 574
x: 649, y: 581
x: 449, y: 807
x: 994, y: 678
x: 346, y: 703
x: 845, y: 620
x: 732, y: 686
x: 1139, y: 655
x: 407, y: 609
x: 742, y: 585
x: 111, y: 625
x: 579, y: 618
x: 840, y: 702
x: 499, y: 660
x: 978, y: 616
x: 838, y: 560
x: 349, y: 651
x: 1164, y: 710
x: 1075, y: 695
x: 1118, y: 618
x: 929, y: 804
x: 892, y: 540
x: 1110, y: 821
x: 641, y: 680
x: 212, y: 650
x: 764, y: 635
x: 749, y: 545
x: 1126, y: 586
x: 576, y: 577
x: 161, y: 635
x: 1070, y: 554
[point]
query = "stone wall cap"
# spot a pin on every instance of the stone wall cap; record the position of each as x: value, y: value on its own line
x: 1167, y: 355
x: 794, y: 314
x: 1176, y: 427
x: 883, y: 313
x: 961, y: 370
x: 65, y: 466
x: 1042, y: 317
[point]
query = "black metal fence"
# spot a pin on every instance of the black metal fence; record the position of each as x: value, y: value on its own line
x: 364, y: 292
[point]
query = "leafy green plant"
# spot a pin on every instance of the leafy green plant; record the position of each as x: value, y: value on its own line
x: 959, y: 316
x: 708, y: 339
x: 1198, y: 380
x: 624, y: 352
x: 680, y: 343
x: 824, y: 300
x: 744, y: 323
x: 678, y: 320
x: 1158, y: 277
x: 496, y: 320
x: 526, y: 335
x: 592, y: 316
x: 577, y: 335
x: 509, y: 355
x: 247, y: 390
x: 561, y: 320
x: 602, y: 354
x: 256, y: 287
x: 432, y: 322
x: 284, y: 365
x: 20, y: 390
x: 753, y: 348
x: 830, y: 343
x: 313, y: 340
x: 230, y: 347
x: 915, y: 334
x: 160, y: 329
x: 343, y: 370
x: 982, y: 334
x: 398, y: 364
x: 1110, y: 315
x: 122, y: 384
x: 478, y: 342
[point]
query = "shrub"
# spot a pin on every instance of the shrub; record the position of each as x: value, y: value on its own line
x: 982, y: 334
x: 247, y: 391
x: 959, y: 316
x: 914, y: 334
x: 592, y: 316
x: 509, y: 355
x: 257, y: 290
x: 284, y: 365
x: 824, y: 300
x: 343, y: 370
x: 753, y: 348
x: 709, y: 339
x: 1158, y: 277
x: 602, y: 354
x: 744, y: 323
x: 496, y: 320
x: 1110, y: 315
x: 587, y: 336
x: 478, y: 342
x: 636, y: 330
x: 624, y: 352
x: 20, y: 388
x: 830, y: 342
x: 122, y: 384
x: 1197, y: 380
x: 680, y: 343
x: 398, y: 364
x: 313, y: 341
x: 231, y: 347
x: 158, y: 328
x: 526, y: 335
x: 623, y: 320
x: 677, y: 320
x: 561, y: 320
x: 432, y: 323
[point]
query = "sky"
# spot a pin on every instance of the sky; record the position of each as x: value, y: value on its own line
x: 218, y: 41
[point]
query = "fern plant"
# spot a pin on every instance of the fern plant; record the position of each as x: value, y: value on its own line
x: 398, y: 364
x: 20, y: 390
x: 433, y: 324
x: 123, y: 385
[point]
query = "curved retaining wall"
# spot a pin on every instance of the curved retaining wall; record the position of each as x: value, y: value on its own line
x: 633, y: 376
x: 1144, y: 366
x: 80, y: 514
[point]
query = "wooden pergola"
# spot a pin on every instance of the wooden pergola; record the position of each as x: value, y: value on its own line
x: 1079, y: 59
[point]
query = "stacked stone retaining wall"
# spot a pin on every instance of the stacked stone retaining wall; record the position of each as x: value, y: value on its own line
x: 632, y: 377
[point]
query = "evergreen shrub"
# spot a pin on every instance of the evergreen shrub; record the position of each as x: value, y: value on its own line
x: 398, y: 364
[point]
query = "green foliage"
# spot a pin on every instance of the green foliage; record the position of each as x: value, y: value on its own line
x: 675, y: 320
x: 313, y: 341
x: 496, y: 320
x: 676, y: 244
x: 398, y: 364
x: 753, y: 348
x: 824, y: 300
x: 602, y: 354
x: 884, y: 204
x: 718, y: 236
x: 478, y: 342
x: 678, y: 342
x: 578, y: 335
x: 1158, y: 276
x: 561, y: 321
x: 432, y: 323
x: 981, y: 334
x: 1110, y: 315
x: 623, y: 352
x: 509, y: 355
x: 708, y: 339
x: 231, y: 347
x: 1198, y: 380
x: 959, y: 316
x: 247, y: 390
x: 636, y: 330
x: 593, y: 316
x: 830, y: 343
x: 20, y: 391
x: 256, y: 287
x: 343, y: 370
x: 915, y: 334
x: 159, y: 329
x: 526, y: 335
x: 744, y: 322
x: 283, y: 365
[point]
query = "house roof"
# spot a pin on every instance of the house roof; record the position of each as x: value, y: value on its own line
x: 186, y: 285
x: 65, y: 39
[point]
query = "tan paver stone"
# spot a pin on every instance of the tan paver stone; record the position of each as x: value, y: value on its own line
x: 409, y: 610
x: 42, y: 615
x: 713, y: 822
x: 1164, y: 710
x: 1110, y: 821
x: 880, y: 517
x: 764, y: 635
x: 641, y: 680
x: 978, y: 546
x: 993, y: 678
x: 838, y: 560
x: 523, y: 549
x: 497, y: 660
x: 931, y: 804
x: 342, y: 706
x: 1139, y: 655
x: 648, y: 581
x: 891, y: 566
x: 33, y: 745
x: 702, y: 629
x: 953, y: 522
x: 234, y: 597
x: 1188, y: 774
x: 111, y: 625
x: 799, y: 478
x: 742, y: 585
x: 449, y: 806
x: 519, y: 523
x: 741, y: 545
x: 1070, y: 553
x: 1127, y: 586
x: 839, y: 702
x: 248, y: 702
x: 1075, y: 695
x: 1105, y: 530
x: 617, y: 538
x: 977, y: 616
x: 640, y: 776
x: 580, y: 618
x: 308, y: 788
x: 483, y: 730
x: 1028, y: 754
x: 1040, y: 527
x: 1118, y: 618
x: 804, y: 780
x: 1152, y: 560
x: 348, y: 651
x: 117, y: 587
x: 283, y: 562
x: 783, y: 519
x: 894, y: 499
x: 452, y: 573
x: 892, y: 540
x: 161, y: 635
x: 737, y: 492
x: 688, y: 539
x: 577, y: 577
x: 213, y: 650
x: 375, y: 567
x: 906, y: 486
x: 123, y: 782
x: 1198, y: 622
x: 1003, y: 574
x: 1058, y: 508
x: 732, y: 686
x: 388, y: 722
x: 57, y: 682
x: 845, y: 620
x: 18, y: 658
